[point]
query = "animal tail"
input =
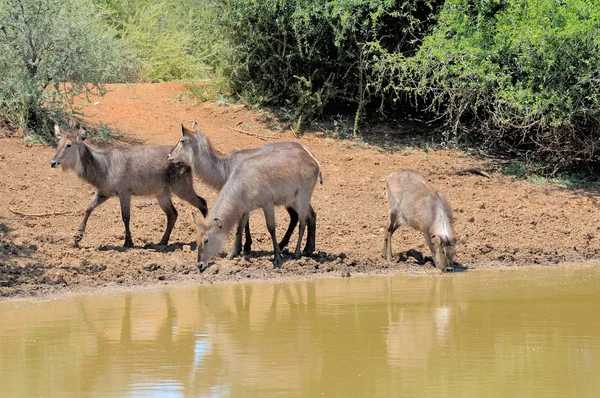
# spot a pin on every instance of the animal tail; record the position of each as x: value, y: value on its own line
x: 318, y: 164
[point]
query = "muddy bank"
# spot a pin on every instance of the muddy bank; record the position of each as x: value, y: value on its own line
x: 510, y: 223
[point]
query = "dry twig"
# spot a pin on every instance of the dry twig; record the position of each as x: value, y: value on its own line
x: 55, y: 213
x: 474, y: 171
x: 250, y: 134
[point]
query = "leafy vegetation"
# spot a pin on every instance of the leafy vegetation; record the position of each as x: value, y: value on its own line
x: 175, y: 40
x: 50, y: 52
x: 312, y: 56
x: 515, y: 76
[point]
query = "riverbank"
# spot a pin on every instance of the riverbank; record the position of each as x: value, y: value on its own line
x: 511, y: 223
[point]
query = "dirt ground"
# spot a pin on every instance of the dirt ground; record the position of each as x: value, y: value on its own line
x: 510, y: 223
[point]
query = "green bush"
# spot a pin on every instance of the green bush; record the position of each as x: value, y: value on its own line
x: 175, y: 40
x: 520, y: 76
x: 308, y: 55
x: 51, y: 51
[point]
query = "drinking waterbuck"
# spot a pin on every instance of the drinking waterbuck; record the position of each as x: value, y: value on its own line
x: 415, y: 202
x: 122, y: 172
x: 286, y: 177
x: 195, y: 149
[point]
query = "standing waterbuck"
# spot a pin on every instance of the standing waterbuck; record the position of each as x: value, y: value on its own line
x: 282, y: 178
x: 415, y: 202
x: 195, y: 149
x: 123, y: 172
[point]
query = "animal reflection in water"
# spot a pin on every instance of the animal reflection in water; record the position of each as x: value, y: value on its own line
x: 416, y: 330
x: 247, y: 326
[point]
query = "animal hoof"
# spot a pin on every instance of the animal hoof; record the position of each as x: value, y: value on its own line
x: 128, y: 244
x: 78, y: 237
x: 232, y: 255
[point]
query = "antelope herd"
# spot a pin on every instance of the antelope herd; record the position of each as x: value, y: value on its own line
x: 277, y: 174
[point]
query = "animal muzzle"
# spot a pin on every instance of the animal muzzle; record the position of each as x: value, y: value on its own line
x: 202, y: 265
x: 54, y: 163
x: 170, y: 157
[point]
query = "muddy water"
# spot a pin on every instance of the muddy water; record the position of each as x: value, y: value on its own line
x: 529, y: 332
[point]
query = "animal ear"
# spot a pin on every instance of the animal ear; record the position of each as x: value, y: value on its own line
x: 436, y: 240
x: 185, y: 131
x: 462, y: 240
x: 198, y: 219
x: 57, y: 132
x: 82, y: 135
x: 216, y: 224
x: 194, y: 123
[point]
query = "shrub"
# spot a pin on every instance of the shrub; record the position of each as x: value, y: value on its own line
x: 517, y: 76
x: 309, y: 55
x: 51, y: 51
x: 176, y: 40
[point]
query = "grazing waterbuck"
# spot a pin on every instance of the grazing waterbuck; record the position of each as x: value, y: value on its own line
x: 415, y: 202
x: 195, y: 149
x: 123, y: 172
x: 283, y: 178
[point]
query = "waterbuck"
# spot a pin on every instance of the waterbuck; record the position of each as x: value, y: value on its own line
x: 122, y: 172
x: 286, y: 177
x: 195, y: 149
x: 415, y: 202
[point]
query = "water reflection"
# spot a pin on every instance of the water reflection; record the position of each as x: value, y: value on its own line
x: 416, y: 331
x: 520, y: 333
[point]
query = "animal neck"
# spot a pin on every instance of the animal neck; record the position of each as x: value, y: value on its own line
x: 211, y: 166
x: 91, y: 164
x: 227, y: 211
x: 442, y: 225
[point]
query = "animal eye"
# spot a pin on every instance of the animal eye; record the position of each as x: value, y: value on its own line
x: 68, y: 145
x: 182, y: 140
x: 204, y: 241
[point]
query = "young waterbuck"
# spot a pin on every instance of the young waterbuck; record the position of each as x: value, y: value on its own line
x: 122, y: 172
x: 416, y: 203
x: 195, y: 149
x: 286, y: 177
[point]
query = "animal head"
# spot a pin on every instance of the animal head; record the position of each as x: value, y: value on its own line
x: 444, y: 250
x: 209, y: 239
x: 66, y: 152
x: 183, y: 152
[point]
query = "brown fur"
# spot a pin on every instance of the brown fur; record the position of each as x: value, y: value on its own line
x: 123, y: 172
x: 415, y: 202
x: 283, y: 178
x: 195, y: 149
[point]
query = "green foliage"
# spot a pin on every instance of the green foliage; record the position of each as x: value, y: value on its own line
x: 309, y: 55
x: 50, y: 52
x: 176, y: 40
x: 517, y: 76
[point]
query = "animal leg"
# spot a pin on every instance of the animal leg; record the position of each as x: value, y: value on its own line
x: 290, y: 230
x: 301, y: 230
x: 312, y: 232
x: 237, y: 245
x: 248, y: 244
x: 185, y: 191
x: 125, y: 198
x: 386, y: 252
x: 97, y: 200
x: 269, y: 211
x: 164, y: 200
